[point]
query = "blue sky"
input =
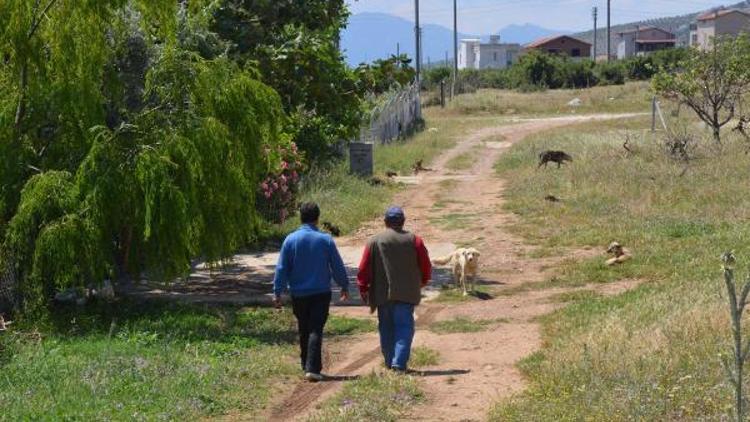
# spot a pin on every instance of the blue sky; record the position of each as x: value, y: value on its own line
x: 487, y: 16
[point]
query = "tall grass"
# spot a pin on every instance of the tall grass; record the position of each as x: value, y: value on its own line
x: 632, y: 97
x: 649, y: 354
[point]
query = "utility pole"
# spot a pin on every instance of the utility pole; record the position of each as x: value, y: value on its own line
x: 455, y: 38
x: 398, y: 49
x: 609, y: 29
x: 446, y: 59
x: 418, y: 35
x: 595, y: 14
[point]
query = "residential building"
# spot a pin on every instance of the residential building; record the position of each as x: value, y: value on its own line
x: 719, y: 23
x: 473, y: 54
x: 643, y: 40
x: 562, y: 44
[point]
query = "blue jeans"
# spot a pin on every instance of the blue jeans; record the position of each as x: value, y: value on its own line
x: 396, y: 327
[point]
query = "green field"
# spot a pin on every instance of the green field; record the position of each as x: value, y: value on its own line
x: 651, y: 353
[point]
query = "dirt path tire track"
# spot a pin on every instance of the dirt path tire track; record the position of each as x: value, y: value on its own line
x: 496, y: 378
x: 306, y: 394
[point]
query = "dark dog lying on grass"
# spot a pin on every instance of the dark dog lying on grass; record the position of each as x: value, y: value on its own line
x: 558, y: 157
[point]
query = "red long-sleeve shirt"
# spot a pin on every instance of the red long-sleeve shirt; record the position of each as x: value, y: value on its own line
x: 364, y: 275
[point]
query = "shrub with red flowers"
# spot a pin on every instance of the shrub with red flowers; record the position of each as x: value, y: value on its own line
x: 277, y: 193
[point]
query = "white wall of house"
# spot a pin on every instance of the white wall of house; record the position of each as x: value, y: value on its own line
x: 626, y: 46
x: 472, y: 54
x: 467, y: 52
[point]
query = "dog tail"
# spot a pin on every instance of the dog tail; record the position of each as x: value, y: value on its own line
x: 442, y: 261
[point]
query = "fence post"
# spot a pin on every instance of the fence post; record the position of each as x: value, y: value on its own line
x: 653, y: 114
x: 442, y: 93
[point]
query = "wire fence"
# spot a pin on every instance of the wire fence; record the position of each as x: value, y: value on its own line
x: 395, y: 118
x: 8, y: 284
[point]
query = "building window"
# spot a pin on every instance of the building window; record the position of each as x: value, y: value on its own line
x: 695, y: 39
x: 509, y: 58
x: 494, y: 56
x: 576, y: 52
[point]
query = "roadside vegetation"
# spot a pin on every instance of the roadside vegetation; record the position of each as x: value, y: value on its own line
x: 383, y: 397
x: 423, y: 357
x: 537, y: 71
x: 151, y: 360
x: 677, y: 218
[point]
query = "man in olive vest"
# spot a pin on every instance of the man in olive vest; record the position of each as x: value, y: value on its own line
x: 394, y: 268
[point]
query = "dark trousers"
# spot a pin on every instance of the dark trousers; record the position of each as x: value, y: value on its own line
x: 312, y: 314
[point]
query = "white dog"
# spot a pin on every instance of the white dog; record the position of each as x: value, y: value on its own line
x: 465, y: 265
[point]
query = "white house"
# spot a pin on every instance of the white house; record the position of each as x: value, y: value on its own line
x: 473, y: 54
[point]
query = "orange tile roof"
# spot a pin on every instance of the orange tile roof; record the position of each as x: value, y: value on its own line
x: 545, y: 40
x: 709, y: 16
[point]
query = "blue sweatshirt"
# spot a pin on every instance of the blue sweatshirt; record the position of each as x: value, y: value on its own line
x: 308, y: 261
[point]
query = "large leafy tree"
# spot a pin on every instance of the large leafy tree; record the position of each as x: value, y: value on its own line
x: 128, y: 141
x: 295, y: 46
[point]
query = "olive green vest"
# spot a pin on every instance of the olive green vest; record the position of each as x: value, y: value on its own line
x: 395, y: 269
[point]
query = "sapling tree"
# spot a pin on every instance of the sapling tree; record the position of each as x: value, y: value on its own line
x: 737, y: 296
x: 711, y: 82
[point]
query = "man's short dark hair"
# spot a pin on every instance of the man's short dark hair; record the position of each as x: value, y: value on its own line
x: 309, y: 213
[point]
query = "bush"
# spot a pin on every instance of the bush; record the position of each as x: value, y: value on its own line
x: 612, y: 73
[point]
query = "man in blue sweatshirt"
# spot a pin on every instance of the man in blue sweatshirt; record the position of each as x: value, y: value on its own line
x: 308, y: 261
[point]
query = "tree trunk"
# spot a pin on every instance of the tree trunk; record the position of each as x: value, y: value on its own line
x: 717, y: 133
x: 123, y: 259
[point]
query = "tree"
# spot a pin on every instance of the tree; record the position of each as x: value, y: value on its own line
x: 712, y: 83
x: 139, y: 147
x: 295, y: 44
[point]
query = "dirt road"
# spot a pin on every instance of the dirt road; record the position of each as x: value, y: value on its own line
x: 480, y: 368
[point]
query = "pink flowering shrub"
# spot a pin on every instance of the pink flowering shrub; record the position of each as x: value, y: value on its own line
x: 277, y: 193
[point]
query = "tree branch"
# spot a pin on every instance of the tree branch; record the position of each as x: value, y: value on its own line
x: 36, y: 20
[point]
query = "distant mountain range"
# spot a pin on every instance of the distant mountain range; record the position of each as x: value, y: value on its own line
x: 372, y: 36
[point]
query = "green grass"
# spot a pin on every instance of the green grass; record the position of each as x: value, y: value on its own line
x: 632, y: 97
x: 149, y: 361
x: 423, y: 357
x: 463, y: 325
x: 135, y: 361
x: 651, y: 353
x: 441, y: 134
x: 338, y: 325
x: 462, y: 161
x: 383, y: 397
x: 345, y: 200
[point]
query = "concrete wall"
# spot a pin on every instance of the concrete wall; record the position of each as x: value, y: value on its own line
x: 474, y: 55
x: 467, y: 54
x: 727, y: 25
x: 626, y: 46
x: 498, y: 56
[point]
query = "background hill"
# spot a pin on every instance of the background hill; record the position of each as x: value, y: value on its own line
x: 371, y: 36
x: 680, y: 25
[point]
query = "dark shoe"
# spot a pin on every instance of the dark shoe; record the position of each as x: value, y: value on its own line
x: 313, y: 377
x: 398, y: 370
